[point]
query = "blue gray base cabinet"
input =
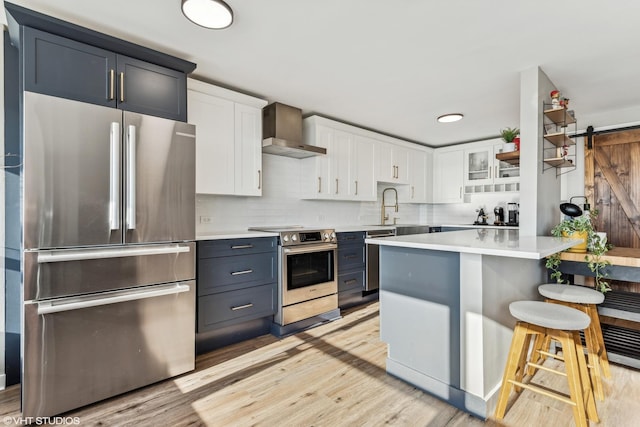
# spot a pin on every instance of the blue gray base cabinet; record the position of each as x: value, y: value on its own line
x: 351, y: 270
x: 237, y: 292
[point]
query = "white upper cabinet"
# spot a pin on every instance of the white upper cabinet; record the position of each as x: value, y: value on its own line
x: 393, y: 163
x: 326, y: 176
x: 420, y: 185
x: 484, y: 173
x: 448, y: 167
x: 357, y: 159
x: 228, y: 140
x: 362, y: 184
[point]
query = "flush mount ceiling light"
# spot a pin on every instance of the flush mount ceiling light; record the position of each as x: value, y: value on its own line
x: 215, y: 14
x: 448, y: 118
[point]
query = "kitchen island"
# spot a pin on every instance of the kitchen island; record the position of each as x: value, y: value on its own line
x: 444, y: 307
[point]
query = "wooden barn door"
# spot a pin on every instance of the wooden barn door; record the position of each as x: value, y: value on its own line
x: 612, y: 184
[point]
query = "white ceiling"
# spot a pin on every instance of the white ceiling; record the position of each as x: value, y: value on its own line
x: 393, y: 66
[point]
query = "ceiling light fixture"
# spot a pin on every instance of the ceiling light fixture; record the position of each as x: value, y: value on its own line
x: 448, y: 118
x: 214, y: 14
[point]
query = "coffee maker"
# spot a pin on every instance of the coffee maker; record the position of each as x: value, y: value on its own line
x: 498, y: 211
x: 513, y: 210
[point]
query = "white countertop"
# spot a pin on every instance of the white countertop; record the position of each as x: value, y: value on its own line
x: 498, y: 242
x: 348, y: 228
x: 242, y: 234
x: 497, y: 227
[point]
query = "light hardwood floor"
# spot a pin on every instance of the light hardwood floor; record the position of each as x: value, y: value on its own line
x: 333, y: 375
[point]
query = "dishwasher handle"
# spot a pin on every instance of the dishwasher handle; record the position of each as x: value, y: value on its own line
x: 49, y: 307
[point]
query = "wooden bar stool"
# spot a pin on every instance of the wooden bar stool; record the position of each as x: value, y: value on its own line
x: 584, y: 299
x: 536, y: 318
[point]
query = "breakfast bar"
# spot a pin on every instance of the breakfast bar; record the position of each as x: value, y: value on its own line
x: 444, y: 313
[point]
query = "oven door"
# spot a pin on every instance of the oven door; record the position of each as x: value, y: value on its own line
x: 308, y: 272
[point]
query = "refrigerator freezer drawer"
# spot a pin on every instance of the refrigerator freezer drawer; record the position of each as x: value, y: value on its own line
x: 129, y: 339
x: 65, y: 272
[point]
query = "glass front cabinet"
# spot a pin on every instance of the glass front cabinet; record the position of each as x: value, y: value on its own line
x: 484, y: 173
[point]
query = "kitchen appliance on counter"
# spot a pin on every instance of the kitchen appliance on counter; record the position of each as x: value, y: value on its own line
x: 108, y: 257
x: 513, y: 210
x: 372, y: 280
x: 307, y: 277
x: 498, y: 211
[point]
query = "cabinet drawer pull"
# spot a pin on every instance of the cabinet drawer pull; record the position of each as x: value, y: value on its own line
x: 238, y: 273
x: 242, y: 246
x: 336, y: 185
x: 350, y: 281
x: 490, y: 172
x: 356, y: 188
x: 413, y: 192
x: 319, y: 184
x: 121, y: 87
x: 112, y: 84
x: 240, y: 307
x: 259, y: 180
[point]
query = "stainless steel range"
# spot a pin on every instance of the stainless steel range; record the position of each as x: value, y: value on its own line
x: 307, y: 272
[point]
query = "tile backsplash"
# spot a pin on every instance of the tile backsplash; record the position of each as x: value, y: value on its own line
x: 281, y: 204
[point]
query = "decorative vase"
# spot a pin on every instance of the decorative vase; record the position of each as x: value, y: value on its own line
x: 580, y: 247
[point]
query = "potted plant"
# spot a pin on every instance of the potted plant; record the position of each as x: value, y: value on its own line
x: 582, y: 228
x: 509, y: 136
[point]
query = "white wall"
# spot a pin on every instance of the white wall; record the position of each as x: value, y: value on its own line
x: 280, y: 204
x: 2, y: 327
x: 539, y: 189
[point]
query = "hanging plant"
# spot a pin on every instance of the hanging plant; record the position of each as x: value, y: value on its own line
x: 597, y: 248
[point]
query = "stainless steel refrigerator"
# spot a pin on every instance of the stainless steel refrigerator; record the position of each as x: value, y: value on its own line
x: 109, y: 259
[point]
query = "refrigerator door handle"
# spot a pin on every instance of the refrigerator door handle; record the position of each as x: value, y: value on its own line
x: 49, y: 307
x: 131, y: 177
x: 88, y: 254
x: 114, y: 177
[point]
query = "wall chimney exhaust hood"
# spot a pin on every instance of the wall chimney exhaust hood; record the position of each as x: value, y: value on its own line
x: 282, y: 132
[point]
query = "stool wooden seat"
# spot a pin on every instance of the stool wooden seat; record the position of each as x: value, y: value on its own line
x: 584, y: 299
x: 536, y: 318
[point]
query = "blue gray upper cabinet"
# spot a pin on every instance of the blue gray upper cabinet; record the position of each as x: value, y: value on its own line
x: 66, y: 68
x: 68, y: 61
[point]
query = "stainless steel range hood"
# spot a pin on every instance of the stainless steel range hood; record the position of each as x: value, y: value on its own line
x: 282, y: 132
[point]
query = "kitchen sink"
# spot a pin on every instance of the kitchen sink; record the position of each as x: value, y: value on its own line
x: 405, y: 230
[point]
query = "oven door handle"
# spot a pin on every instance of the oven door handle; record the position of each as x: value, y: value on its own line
x: 309, y: 248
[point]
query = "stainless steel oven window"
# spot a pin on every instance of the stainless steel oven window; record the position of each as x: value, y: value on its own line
x: 309, y: 268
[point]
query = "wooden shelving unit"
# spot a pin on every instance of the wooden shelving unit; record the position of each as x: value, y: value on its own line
x: 559, y: 139
x: 560, y: 116
x: 559, y: 162
x: 555, y: 123
x: 513, y: 157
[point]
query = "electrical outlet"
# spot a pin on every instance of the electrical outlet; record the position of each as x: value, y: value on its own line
x: 204, y: 219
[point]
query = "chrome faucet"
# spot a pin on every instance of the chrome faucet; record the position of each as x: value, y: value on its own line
x: 384, y: 217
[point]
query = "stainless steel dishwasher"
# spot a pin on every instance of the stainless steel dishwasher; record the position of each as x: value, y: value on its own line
x: 372, y: 281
